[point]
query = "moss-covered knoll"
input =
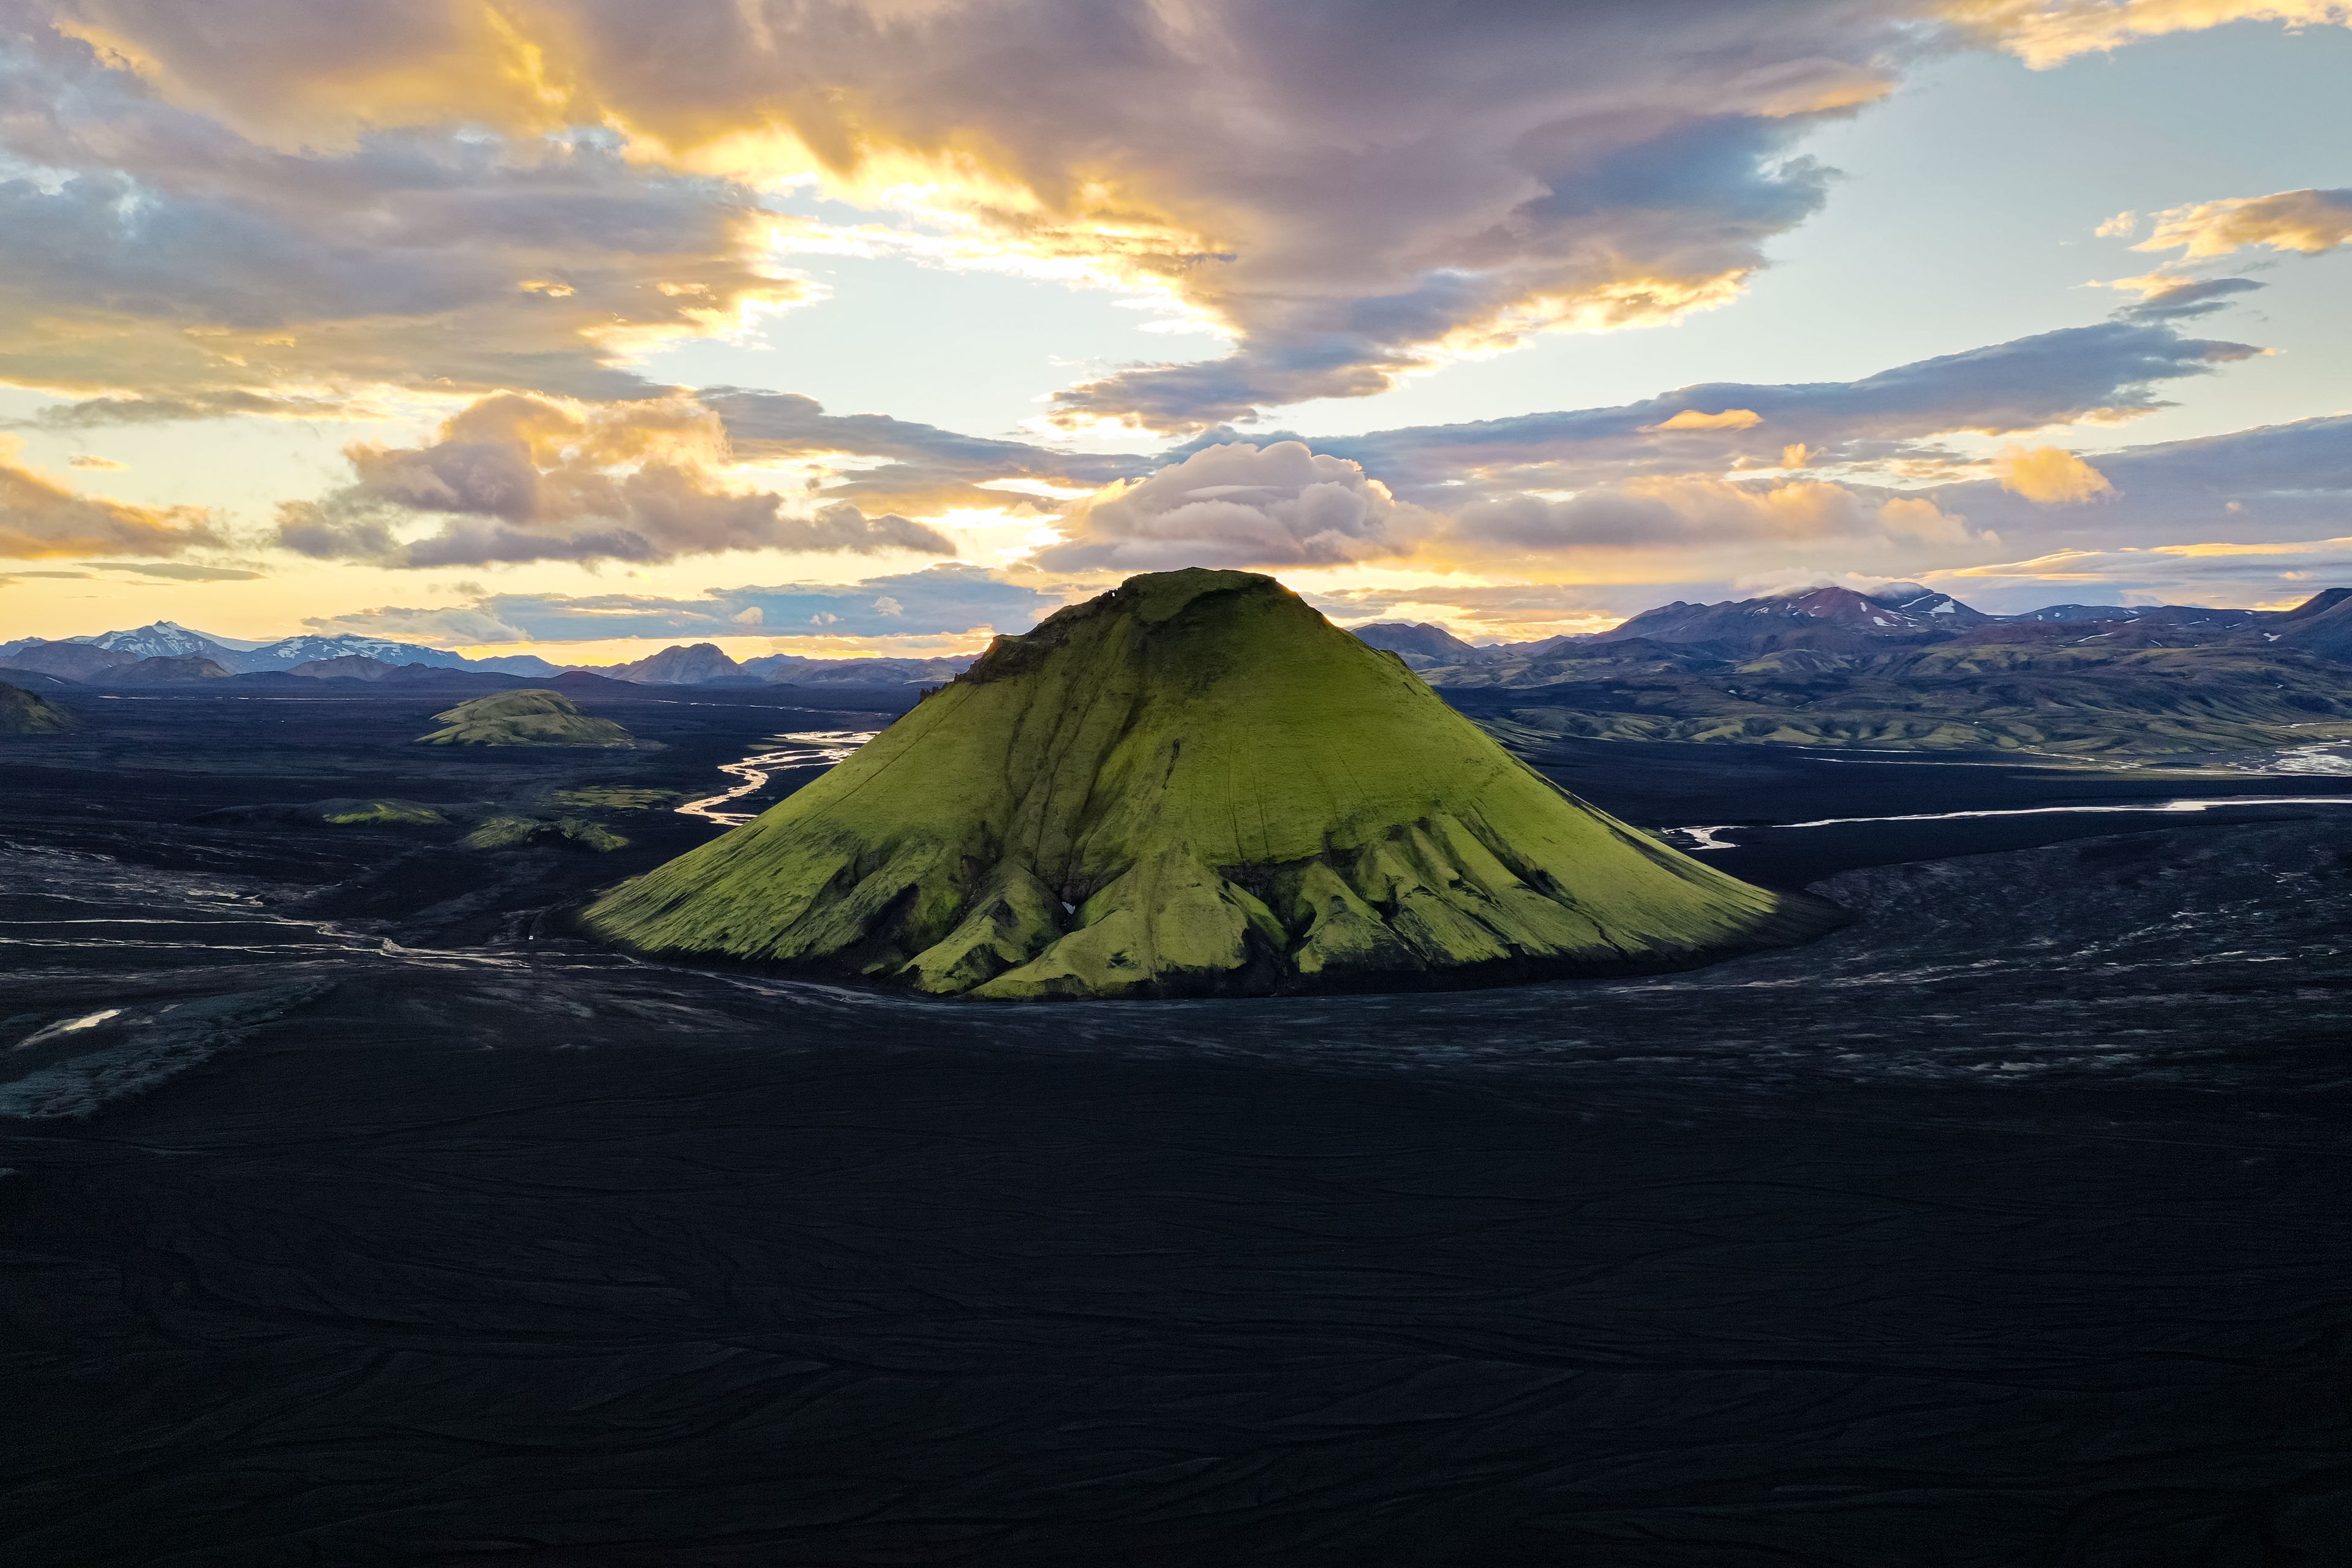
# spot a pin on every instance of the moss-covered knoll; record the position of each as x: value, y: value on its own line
x: 24, y: 712
x: 380, y: 813
x: 528, y: 718
x: 507, y: 832
x: 1193, y: 784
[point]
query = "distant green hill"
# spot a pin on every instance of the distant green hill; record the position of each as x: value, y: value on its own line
x: 528, y: 718
x: 24, y: 712
x: 1192, y: 784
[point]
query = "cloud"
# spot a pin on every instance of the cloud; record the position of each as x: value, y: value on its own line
x: 924, y: 467
x: 2119, y: 227
x: 2105, y: 372
x: 458, y: 626
x: 941, y: 600
x: 2282, y: 481
x: 2261, y: 572
x: 2308, y: 221
x: 178, y: 571
x: 93, y: 461
x: 1349, y: 191
x: 1692, y: 419
x: 39, y: 517
x: 1675, y: 514
x: 2180, y: 300
x: 524, y: 479
x: 96, y: 413
x: 151, y: 254
x: 1236, y: 504
x: 2046, y: 33
x: 2050, y: 476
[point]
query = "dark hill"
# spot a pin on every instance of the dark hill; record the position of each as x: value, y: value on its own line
x: 70, y: 660
x: 166, y: 669
x: 1833, y: 618
x: 1192, y: 784
x: 343, y: 667
x: 24, y: 712
x: 1419, y: 642
x: 2326, y: 630
x: 679, y: 666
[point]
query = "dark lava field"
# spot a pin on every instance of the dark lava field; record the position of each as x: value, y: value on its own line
x: 359, y: 1212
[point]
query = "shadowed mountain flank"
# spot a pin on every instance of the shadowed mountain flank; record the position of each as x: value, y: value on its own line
x: 1194, y: 785
x: 24, y: 712
x: 527, y: 718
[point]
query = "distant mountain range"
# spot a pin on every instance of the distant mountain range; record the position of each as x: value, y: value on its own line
x: 1842, y: 621
x: 168, y: 652
x: 1900, y: 666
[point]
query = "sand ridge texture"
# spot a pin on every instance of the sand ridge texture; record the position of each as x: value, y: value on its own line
x: 1194, y: 785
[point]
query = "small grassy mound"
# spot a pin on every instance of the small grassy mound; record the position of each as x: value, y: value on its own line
x: 24, y: 712
x: 529, y: 832
x: 1194, y: 785
x: 381, y: 814
x: 527, y: 718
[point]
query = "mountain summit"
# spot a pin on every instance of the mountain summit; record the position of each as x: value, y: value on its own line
x: 1192, y: 784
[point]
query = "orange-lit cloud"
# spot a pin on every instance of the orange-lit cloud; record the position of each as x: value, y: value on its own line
x: 1349, y: 193
x: 1217, y: 158
x: 523, y: 479
x: 2308, y: 221
x: 1692, y: 419
x: 2046, y: 33
x: 2049, y: 476
x: 40, y: 517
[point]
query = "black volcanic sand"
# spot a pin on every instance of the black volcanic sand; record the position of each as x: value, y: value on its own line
x: 2004, y: 1227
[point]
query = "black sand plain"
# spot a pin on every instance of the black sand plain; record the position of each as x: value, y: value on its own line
x: 359, y: 1213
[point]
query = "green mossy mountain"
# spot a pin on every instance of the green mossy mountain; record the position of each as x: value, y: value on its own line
x: 1194, y: 785
x: 528, y: 718
x: 24, y: 712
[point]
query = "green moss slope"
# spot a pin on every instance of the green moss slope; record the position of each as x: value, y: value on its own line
x: 527, y: 718
x: 24, y: 712
x: 1193, y: 784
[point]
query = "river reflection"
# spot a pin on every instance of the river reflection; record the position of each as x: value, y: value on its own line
x: 799, y: 749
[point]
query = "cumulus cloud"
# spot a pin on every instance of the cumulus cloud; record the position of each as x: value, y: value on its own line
x: 941, y: 601
x: 1234, y: 504
x: 2050, y: 476
x: 2308, y: 221
x: 39, y: 517
x: 525, y: 479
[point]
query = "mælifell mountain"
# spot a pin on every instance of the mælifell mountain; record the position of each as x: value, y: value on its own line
x: 1193, y: 784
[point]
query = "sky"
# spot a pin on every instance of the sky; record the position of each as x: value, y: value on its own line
x: 839, y: 327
